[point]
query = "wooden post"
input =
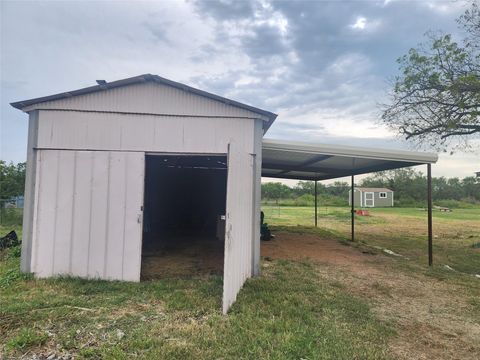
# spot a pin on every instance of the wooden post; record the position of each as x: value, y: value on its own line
x: 429, y: 200
x: 352, y: 199
x: 316, y: 217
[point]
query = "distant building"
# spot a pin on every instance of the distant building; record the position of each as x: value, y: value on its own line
x: 14, y: 202
x: 477, y: 173
x: 371, y: 197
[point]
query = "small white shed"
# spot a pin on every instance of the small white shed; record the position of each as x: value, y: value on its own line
x: 371, y: 197
x: 100, y: 158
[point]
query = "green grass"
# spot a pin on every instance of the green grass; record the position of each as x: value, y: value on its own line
x: 11, y: 217
x: 305, y: 215
x: 288, y: 313
x: 26, y: 338
x: 403, y: 230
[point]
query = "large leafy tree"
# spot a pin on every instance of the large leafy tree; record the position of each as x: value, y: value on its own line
x: 436, y: 99
x: 275, y: 191
x: 12, y: 179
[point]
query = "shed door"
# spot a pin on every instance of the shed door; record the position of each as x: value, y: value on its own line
x: 369, y: 199
x: 238, y: 232
x: 89, y: 214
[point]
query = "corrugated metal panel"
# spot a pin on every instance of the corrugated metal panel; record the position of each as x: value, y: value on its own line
x: 107, y: 134
x: 239, y: 224
x: 289, y: 150
x: 100, y: 131
x: 88, y: 215
x: 258, y: 135
x: 148, y: 98
x: 309, y: 161
x: 29, y: 201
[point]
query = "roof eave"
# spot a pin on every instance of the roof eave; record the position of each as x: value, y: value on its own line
x: 270, y: 117
x: 351, y: 151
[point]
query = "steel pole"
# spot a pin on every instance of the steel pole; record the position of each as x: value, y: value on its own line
x: 352, y: 207
x: 316, y: 217
x: 429, y: 200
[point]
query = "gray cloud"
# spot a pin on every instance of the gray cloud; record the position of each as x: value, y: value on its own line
x: 226, y: 9
x: 303, y: 59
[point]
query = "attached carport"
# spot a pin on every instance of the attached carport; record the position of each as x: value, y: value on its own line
x: 314, y: 162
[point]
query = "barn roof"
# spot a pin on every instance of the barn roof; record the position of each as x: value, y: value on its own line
x: 373, y: 189
x: 306, y: 161
x: 102, y: 86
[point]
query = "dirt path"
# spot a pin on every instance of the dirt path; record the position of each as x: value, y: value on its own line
x: 430, y: 316
x: 323, y: 250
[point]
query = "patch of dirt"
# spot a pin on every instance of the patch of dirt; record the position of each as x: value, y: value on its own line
x: 186, y: 257
x: 430, y: 316
x: 293, y: 246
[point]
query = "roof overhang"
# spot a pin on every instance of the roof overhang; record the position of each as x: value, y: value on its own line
x: 307, y: 161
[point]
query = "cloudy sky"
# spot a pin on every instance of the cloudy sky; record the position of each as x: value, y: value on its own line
x: 323, y: 66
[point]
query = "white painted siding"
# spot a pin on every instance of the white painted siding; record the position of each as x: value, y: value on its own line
x: 148, y: 98
x: 120, y: 132
x: 239, y: 223
x: 29, y: 203
x: 86, y: 158
x: 257, y: 198
x: 87, y: 215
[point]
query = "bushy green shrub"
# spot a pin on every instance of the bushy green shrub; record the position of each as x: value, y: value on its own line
x: 14, y: 252
x: 304, y: 200
x: 11, y: 216
x: 467, y: 203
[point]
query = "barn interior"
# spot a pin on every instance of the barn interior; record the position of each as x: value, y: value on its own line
x: 184, y: 215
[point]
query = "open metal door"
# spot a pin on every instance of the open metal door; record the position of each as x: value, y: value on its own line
x: 88, y: 218
x: 238, y: 225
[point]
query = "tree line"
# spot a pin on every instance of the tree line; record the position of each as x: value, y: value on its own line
x: 12, y: 179
x: 409, y: 185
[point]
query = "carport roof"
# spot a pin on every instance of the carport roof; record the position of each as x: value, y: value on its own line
x: 307, y: 161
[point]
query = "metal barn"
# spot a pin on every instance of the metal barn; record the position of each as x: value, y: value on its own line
x: 114, y: 167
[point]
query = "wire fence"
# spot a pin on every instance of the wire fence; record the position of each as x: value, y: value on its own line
x: 10, y: 213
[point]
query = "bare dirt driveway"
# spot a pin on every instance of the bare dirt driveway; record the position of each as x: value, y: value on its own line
x: 434, y: 317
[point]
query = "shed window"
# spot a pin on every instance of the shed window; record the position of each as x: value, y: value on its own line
x: 383, y: 195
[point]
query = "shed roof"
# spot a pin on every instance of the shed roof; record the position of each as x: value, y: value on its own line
x: 102, y: 86
x: 306, y: 161
x: 373, y: 189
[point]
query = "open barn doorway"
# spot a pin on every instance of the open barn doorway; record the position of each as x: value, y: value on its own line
x: 184, y: 215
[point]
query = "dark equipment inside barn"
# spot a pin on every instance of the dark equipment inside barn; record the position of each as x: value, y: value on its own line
x: 265, y: 233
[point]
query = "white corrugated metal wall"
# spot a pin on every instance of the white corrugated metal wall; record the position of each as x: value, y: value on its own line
x: 238, y: 232
x: 257, y: 196
x: 29, y: 203
x: 86, y: 220
x: 148, y: 98
x: 69, y: 134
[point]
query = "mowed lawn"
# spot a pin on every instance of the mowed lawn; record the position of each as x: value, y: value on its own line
x: 402, y: 230
x: 378, y: 307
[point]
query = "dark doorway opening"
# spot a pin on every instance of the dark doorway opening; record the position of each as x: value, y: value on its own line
x: 184, y: 215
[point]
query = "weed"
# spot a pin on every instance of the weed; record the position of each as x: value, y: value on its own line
x: 26, y: 338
